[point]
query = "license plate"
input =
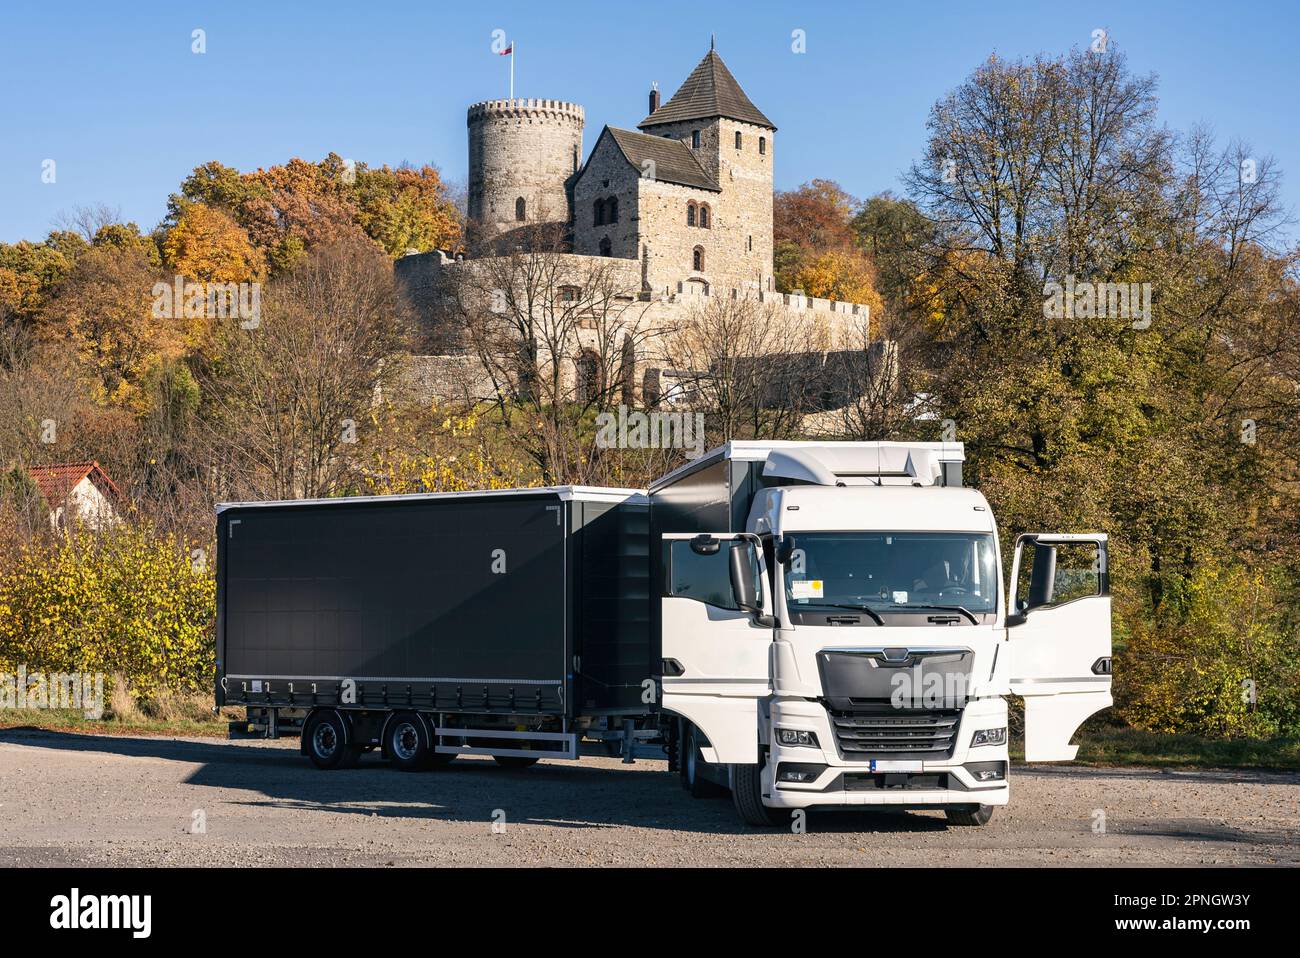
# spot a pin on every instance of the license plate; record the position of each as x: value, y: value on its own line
x: 895, y: 766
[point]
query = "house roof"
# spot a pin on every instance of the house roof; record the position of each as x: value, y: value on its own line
x: 709, y: 91
x: 673, y: 160
x: 57, y: 482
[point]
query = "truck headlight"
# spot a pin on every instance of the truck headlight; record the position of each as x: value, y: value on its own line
x: 797, y: 736
x: 990, y: 736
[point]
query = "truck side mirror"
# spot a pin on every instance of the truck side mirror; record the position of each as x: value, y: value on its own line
x: 785, y: 549
x: 744, y: 584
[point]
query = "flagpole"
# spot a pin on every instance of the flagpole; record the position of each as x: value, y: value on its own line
x: 512, y: 70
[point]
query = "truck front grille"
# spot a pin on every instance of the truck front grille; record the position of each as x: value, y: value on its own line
x: 864, y: 733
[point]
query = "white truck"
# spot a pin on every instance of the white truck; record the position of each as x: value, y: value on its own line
x: 836, y: 631
x: 805, y: 624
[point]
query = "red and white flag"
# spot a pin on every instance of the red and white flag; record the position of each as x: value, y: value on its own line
x: 507, y: 51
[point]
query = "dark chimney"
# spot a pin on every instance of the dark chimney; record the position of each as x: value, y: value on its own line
x: 654, y: 98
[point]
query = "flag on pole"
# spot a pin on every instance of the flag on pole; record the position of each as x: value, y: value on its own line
x: 510, y: 52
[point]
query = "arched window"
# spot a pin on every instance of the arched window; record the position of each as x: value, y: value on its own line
x: 738, y: 139
x: 690, y: 214
x: 589, y: 385
x: 606, y: 247
x: 762, y: 144
x: 598, y: 213
x: 697, y: 259
x: 611, y: 210
x: 521, y: 209
x: 704, y: 215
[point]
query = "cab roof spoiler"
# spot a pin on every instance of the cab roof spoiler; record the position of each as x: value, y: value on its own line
x: 868, y: 464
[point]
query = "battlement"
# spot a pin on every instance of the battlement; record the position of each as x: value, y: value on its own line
x: 797, y: 302
x: 524, y: 108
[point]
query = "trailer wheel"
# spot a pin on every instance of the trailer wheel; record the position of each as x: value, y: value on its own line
x: 325, y: 740
x: 515, y: 761
x: 405, y: 744
x: 747, y: 795
x: 968, y: 815
x: 693, y: 779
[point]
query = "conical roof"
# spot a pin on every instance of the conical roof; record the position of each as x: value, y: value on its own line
x: 709, y: 91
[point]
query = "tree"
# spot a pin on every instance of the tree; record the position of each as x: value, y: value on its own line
x: 815, y: 250
x: 555, y: 342
x: 752, y: 370
x: 206, y: 245
x: 289, y: 399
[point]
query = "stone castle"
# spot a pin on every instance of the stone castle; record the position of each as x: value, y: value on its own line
x: 680, y: 208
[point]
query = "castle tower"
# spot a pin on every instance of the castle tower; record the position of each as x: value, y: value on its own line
x: 521, y: 155
x: 734, y: 142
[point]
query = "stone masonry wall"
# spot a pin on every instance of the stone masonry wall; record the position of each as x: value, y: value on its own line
x: 522, y: 148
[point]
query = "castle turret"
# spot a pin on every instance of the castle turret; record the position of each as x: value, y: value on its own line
x: 522, y: 153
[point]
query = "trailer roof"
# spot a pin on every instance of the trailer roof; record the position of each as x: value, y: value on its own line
x: 563, y: 493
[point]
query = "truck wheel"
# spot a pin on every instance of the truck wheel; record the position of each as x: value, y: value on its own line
x: 325, y: 741
x: 969, y: 814
x: 692, y: 763
x: 747, y: 795
x: 404, y: 743
x: 514, y: 761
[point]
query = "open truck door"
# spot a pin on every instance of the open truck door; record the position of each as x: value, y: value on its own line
x: 717, y: 639
x: 1058, y: 636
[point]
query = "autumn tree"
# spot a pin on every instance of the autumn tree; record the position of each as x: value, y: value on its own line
x: 288, y: 400
x: 207, y: 245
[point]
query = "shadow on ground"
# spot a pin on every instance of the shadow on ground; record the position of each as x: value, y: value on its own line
x: 578, y: 795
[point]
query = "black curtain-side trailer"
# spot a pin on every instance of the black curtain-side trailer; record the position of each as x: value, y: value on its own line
x: 531, y: 602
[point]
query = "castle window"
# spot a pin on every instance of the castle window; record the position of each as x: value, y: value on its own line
x: 521, y: 209
x: 611, y: 210
x: 738, y: 139
x: 598, y: 213
x: 704, y: 215
x: 569, y: 294
x: 751, y: 244
x: 589, y: 385
x: 697, y: 259
x: 690, y: 214
x: 606, y: 247
x: 695, y: 139
x: 762, y: 144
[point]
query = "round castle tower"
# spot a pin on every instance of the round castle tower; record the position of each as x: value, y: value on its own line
x: 521, y: 155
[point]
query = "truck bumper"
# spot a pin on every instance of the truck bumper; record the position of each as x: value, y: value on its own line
x: 803, y: 777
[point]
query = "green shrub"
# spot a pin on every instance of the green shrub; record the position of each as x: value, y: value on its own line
x: 126, y: 601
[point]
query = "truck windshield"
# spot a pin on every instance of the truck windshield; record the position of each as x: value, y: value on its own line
x: 893, y: 571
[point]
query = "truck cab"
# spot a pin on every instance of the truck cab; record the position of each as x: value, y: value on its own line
x: 844, y: 637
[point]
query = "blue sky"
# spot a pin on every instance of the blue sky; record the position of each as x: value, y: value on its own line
x: 113, y: 93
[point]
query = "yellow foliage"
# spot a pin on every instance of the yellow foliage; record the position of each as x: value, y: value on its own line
x: 208, y: 246
x: 127, y: 601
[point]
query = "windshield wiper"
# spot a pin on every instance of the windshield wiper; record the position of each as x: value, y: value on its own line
x: 943, y: 608
x: 856, y: 608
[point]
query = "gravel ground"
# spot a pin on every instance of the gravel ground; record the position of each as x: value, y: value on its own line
x: 70, y: 799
